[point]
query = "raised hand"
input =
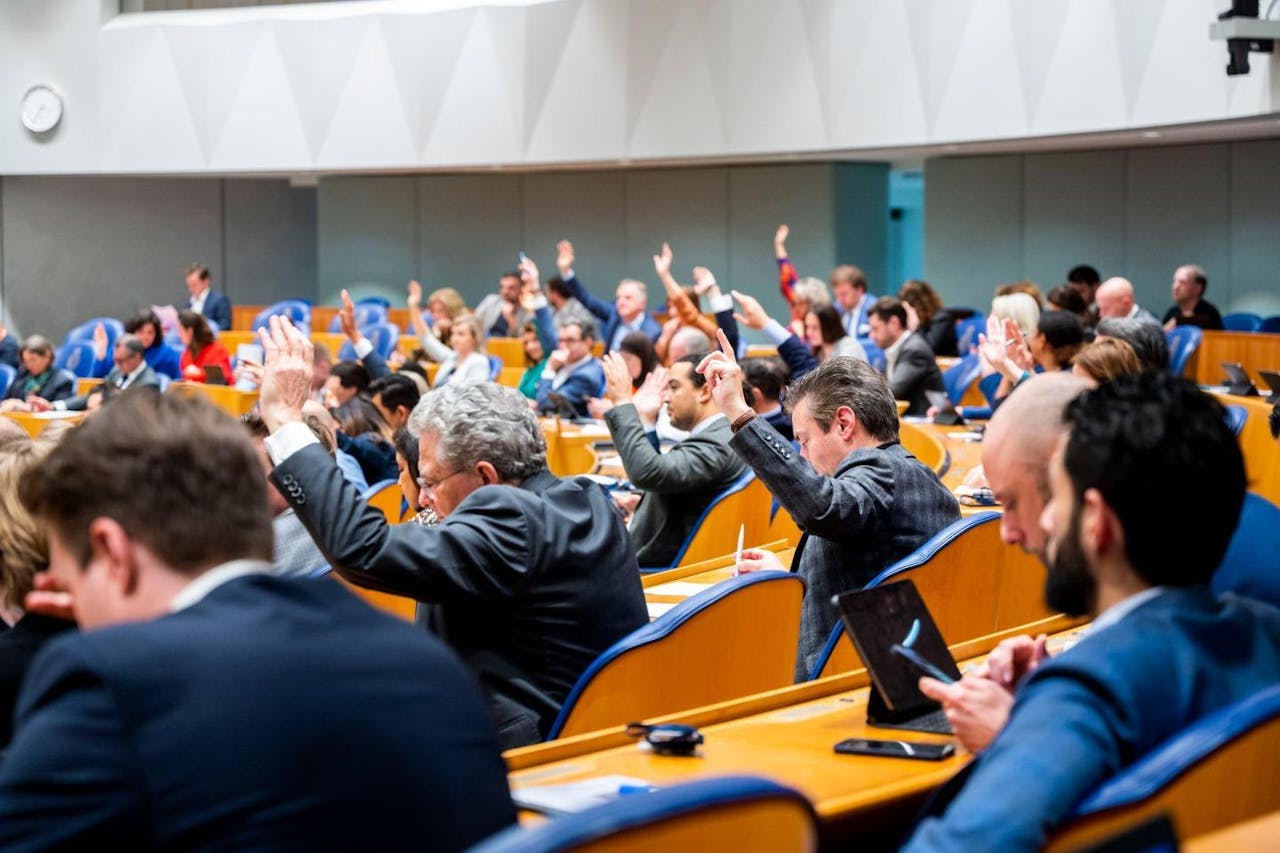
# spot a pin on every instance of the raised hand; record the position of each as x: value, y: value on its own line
x: 347, y: 317
x: 913, y: 317
x: 100, y: 342
x: 617, y: 378
x: 597, y: 407
x: 564, y: 257
x: 286, y: 372
x: 1016, y: 348
x: 415, y: 295
x: 558, y: 358
x: 529, y: 275
x: 704, y: 282
x: 662, y: 261
x: 648, y: 397
x: 992, y: 345
x: 780, y: 241
x: 752, y: 314
x: 724, y: 376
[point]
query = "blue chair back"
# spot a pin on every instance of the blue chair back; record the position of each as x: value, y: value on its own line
x: 1242, y: 322
x: 77, y: 358
x: 84, y: 332
x: 162, y: 381
x: 875, y: 355
x: 367, y: 314
x: 7, y: 372
x: 958, y: 377
x: 927, y: 552
x: 1183, y: 776
x: 720, y: 813
x: 384, y: 336
x: 967, y: 331
x: 1236, y: 417
x: 298, y: 312
x: 667, y: 666
x: 733, y: 488
x: 1249, y: 566
x: 1270, y: 324
x: 381, y: 301
x: 989, y: 384
x: 1183, y: 342
x: 495, y: 367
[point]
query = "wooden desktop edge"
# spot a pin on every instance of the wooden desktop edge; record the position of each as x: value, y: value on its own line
x: 526, y: 757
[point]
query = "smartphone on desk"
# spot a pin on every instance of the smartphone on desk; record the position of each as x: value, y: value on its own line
x: 896, y: 749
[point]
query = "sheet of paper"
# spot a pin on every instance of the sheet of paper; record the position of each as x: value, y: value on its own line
x: 658, y: 608
x: 684, y: 588
x: 576, y: 796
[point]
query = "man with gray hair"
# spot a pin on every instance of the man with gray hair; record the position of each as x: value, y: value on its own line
x: 528, y: 577
x: 130, y: 371
x: 861, y: 499
x: 1147, y: 339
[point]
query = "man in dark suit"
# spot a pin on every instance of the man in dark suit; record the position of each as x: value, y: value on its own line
x: 862, y: 500
x: 766, y: 378
x: 678, y: 485
x: 204, y: 300
x: 911, y: 366
x: 531, y: 577
x: 1162, y: 651
x: 572, y: 372
x: 626, y: 314
x: 206, y: 705
x: 129, y: 371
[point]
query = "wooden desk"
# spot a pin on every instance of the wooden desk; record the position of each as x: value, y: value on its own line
x: 1259, y: 834
x: 226, y: 397
x: 85, y: 385
x: 1255, y: 350
x: 787, y: 735
x: 569, y: 450
x: 1261, y: 451
x: 35, y: 423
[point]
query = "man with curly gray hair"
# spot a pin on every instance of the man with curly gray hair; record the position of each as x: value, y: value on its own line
x: 528, y: 577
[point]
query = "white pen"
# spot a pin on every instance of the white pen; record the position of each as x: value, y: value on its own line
x: 737, y: 557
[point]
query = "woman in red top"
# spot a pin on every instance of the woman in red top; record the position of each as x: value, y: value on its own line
x: 202, y: 349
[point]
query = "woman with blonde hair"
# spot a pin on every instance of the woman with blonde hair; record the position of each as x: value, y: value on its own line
x: 24, y: 552
x: 464, y: 360
x: 444, y: 304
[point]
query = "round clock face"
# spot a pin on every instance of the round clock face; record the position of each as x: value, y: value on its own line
x: 41, y: 109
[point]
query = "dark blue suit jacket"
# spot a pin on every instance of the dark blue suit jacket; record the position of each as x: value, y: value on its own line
x: 586, y: 381
x: 1100, y: 706
x: 607, y: 313
x: 218, y: 309
x: 274, y: 714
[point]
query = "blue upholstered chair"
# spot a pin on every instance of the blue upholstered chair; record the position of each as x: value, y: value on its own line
x: 1270, y: 324
x: 676, y: 662
x: 495, y: 367
x: 1242, y: 322
x: 1249, y: 567
x: 7, y: 372
x: 1183, y: 342
x: 967, y: 331
x: 1185, y: 777
x: 721, y: 813
x: 1236, y: 417
x: 84, y: 332
x: 958, y: 377
x: 77, y: 357
x: 298, y: 312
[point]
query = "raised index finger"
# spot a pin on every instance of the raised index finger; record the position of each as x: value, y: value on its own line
x: 725, y: 347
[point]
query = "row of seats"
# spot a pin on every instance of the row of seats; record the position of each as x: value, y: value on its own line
x: 1245, y: 322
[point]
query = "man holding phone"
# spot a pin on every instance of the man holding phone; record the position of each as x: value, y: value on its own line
x: 1170, y: 651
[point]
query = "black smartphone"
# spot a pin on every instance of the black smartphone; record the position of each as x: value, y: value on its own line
x: 897, y: 749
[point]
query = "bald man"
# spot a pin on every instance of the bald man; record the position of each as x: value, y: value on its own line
x: 1016, y: 449
x: 1115, y: 299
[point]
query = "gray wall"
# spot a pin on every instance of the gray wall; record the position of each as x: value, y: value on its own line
x: 1137, y: 213
x: 462, y: 231
x: 76, y: 248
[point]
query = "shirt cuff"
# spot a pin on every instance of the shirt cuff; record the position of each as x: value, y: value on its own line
x: 539, y: 302
x: 548, y: 373
x: 288, y: 440
x: 723, y: 302
x: 363, y: 347
x: 776, y: 332
x: 59, y: 406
